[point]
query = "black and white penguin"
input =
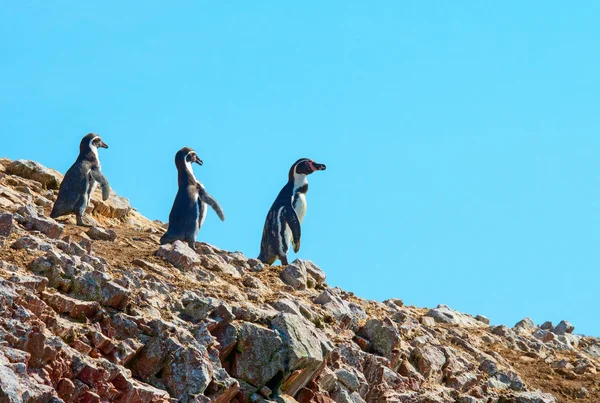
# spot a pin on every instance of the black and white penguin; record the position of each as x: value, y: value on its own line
x: 81, y: 179
x: 282, y: 225
x: 189, y: 209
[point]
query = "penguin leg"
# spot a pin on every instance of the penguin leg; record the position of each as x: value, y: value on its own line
x: 80, y: 212
x: 191, y: 241
x: 284, y: 260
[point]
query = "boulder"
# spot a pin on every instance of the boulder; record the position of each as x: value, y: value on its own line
x: 563, y: 327
x: 525, y: 325
x: 295, y: 275
x: 180, y: 255
x: 49, y: 178
x: 318, y: 276
x: 444, y: 314
x: 259, y: 355
x: 383, y: 336
x: 101, y: 234
x: 429, y: 361
x: 306, y: 349
x: 116, y: 207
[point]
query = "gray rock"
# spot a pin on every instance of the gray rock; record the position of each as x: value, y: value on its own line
x: 348, y: 379
x: 331, y: 300
x: 444, y: 314
x: 482, y: 319
x: 101, y: 234
x: 179, y: 255
x: 382, y: 335
x: 312, y: 270
x: 544, y: 335
x: 46, y: 226
x: 534, y: 397
x: 547, y: 325
x: 563, y: 328
x: 429, y: 361
x: 427, y: 321
x: 259, y: 355
x: 306, y: 349
x: 49, y: 178
x: 525, y: 325
x: 295, y: 275
x: 394, y: 303
x: 6, y: 224
x: 287, y: 306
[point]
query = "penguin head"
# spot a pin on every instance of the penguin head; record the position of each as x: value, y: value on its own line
x: 91, y: 142
x: 185, y: 157
x: 305, y: 166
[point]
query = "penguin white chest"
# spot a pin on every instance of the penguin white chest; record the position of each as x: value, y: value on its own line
x: 300, y: 206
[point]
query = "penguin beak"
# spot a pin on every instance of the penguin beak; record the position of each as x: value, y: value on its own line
x: 319, y: 167
x: 102, y: 144
x: 197, y: 160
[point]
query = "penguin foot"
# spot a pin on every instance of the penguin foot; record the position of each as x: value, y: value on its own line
x: 83, y: 223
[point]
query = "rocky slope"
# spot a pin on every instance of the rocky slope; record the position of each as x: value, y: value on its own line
x: 104, y: 314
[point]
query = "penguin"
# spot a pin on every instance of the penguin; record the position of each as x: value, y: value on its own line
x: 189, y: 208
x: 81, y: 179
x: 282, y: 224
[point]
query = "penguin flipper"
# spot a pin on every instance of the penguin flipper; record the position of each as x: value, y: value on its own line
x: 291, y: 218
x: 101, y: 179
x: 208, y: 199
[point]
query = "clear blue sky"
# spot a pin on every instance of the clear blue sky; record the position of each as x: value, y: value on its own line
x: 461, y: 138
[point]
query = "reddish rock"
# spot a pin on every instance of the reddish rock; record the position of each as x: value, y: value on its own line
x: 65, y: 389
x: 74, y: 307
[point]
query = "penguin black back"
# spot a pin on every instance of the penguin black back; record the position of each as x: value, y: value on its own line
x: 81, y: 179
x: 189, y: 208
x: 285, y: 216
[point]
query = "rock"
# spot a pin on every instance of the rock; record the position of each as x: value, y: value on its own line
x: 547, y: 325
x: 429, y: 361
x: 287, y: 306
x: 179, y: 255
x: 75, y: 308
x: 534, y: 397
x: 482, y: 319
x: 427, y: 321
x: 116, y: 207
x: 259, y: 355
x: 187, y: 372
x: 6, y: 224
x: 101, y: 234
x: 544, y: 335
x: 563, y: 328
x: 306, y: 349
x: 394, y: 302
x: 348, y: 379
x: 46, y: 226
x: 34, y: 283
x: 217, y: 264
x: 444, y: 314
x: 331, y: 300
x: 312, y: 270
x: 382, y: 335
x: 30, y: 242
x: 295, y: 275
x: 525, y: 325
x: 49, y: 178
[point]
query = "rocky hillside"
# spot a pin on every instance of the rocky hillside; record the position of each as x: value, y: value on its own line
x: 104, y: 314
